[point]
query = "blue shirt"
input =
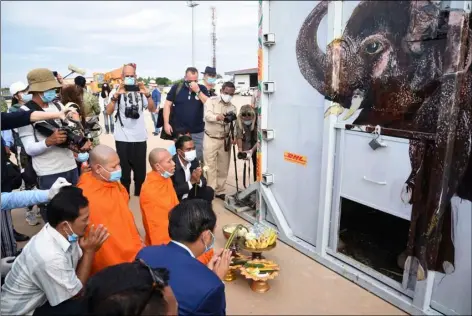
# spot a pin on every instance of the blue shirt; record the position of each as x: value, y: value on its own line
x: 156, y: 97
x: 187, y: 112
x: 7, y: 138
x: 19, y: 199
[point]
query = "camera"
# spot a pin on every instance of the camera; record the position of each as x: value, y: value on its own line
x: 229, y: 117
x: 132, y: 112
x: 75, y: 134
x: 242, y: 155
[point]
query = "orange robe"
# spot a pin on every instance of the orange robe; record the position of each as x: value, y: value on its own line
x: 157, y: 199
x: 108, y: 205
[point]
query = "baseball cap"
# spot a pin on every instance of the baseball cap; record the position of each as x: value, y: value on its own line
x: 42, y: 79
x: 17, y: 87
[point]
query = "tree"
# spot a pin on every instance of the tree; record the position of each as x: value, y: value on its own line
x: 163, y: 81
x: 178, y: 81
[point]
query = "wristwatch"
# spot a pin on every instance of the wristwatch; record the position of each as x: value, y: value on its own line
x: 198, y: 92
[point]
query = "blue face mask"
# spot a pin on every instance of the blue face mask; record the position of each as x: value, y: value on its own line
x: 129, y: 81
x: 166, y: 174
x: 211, y: 80
x: 82, y: 157
x: 72, y: 237
x: 212, y: 244
x: 114, y: 175
x: 48, y: 96
x: 26, y: 97
x: 172, y: 149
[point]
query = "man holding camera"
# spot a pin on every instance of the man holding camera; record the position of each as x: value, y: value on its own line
x: 220, y: 115
x: 51, y: 158
x: 130, y: 100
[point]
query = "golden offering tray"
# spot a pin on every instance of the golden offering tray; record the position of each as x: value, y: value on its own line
x: 231, y: 275
x: 260, y: 283
x: 256, y: 252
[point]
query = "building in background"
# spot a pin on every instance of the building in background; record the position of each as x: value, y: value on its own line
x: 244, y: 79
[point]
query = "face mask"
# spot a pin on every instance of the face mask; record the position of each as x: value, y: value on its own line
x: 129, y: 81
x: 247, y: 123
x: 226, y: 98
x: 71, y: 237
x: 114, y: 175
x: 48, y: 96
x: 190, y: 155
x: 212, y: 244
x: 82, y: 157
x: 26, y: 97
x: 172, y: 149
x: 166, y: 174
x: 211, y: 80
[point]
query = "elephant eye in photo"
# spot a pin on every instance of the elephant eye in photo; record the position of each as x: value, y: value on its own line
x: 373, y: 47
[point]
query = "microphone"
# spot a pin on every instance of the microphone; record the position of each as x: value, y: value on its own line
x: 74, y: 69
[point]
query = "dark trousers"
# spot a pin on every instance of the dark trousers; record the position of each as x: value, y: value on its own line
x: 132, y: 157
x: 73, y: 306
x: 46, y: 182
x: 254, y: 166
x: 205, y: 193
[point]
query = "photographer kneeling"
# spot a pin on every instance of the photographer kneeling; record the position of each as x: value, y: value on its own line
x: 246, y: 135
x: 48, y: 142
x: 220, y: 115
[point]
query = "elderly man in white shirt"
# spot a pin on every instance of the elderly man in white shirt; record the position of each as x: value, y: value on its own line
x: 54, y: 266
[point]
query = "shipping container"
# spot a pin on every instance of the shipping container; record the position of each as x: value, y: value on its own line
x: 365, y: 124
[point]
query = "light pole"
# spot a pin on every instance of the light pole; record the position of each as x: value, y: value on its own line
x: 192, y: 5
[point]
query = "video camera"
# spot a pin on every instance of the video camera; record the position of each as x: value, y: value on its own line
x: 77, y: 135
x: 229, y: 117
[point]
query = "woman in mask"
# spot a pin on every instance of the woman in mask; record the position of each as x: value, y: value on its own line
x: 246, y: 135
x: 103, y: 100
x: 72, y: 97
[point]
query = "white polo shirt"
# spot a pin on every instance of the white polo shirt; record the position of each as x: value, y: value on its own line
x: 44, y: 271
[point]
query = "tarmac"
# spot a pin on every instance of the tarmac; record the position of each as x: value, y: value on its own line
x: 304, y: 287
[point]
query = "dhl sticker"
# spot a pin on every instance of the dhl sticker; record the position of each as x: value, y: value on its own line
x: 295, y: 158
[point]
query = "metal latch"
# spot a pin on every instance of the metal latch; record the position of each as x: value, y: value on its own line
x: 269, y: 39
x: 267, y: 179
x: 268, y: 87
x: 268, y: 134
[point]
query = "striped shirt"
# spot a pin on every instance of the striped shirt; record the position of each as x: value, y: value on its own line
x: 44, y: 271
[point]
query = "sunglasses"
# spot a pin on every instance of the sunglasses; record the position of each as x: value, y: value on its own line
x: 246, y: 114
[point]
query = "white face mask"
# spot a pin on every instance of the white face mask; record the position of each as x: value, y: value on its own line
x: 226, y: 98
x: 190, y: 155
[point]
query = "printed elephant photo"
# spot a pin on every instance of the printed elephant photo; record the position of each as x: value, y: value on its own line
x: 391, y: 67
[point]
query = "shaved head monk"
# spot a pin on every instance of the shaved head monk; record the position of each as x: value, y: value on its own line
x: 108, y: 204
x: 158, y: 198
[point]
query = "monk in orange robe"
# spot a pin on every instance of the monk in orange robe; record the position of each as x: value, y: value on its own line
x: 108, y: 204
x: 158, y: 198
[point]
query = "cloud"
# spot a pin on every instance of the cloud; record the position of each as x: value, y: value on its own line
x: 100, y: 35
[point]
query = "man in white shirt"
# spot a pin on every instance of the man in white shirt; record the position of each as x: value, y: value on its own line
x: 130, y: 129
x: 49, y: 160
x: 54, y: 266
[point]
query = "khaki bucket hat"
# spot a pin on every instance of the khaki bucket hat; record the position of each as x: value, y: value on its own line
x: 42, y: 79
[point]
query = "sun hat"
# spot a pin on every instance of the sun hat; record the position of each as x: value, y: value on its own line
x: 42, y: 79
x: 17, y: 87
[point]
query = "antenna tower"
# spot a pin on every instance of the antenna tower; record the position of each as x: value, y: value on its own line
x: 213, y: 35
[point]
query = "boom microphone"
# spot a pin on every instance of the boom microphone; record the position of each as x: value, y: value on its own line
x: 74, y: 69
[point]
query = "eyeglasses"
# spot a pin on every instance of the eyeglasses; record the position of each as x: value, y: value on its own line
x: 157, y: 281
x: 246, y: 114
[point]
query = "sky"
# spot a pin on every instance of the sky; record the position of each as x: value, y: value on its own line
x: 100, y: 36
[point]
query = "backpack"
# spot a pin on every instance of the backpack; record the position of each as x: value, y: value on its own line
x: 29, y: 174
x: 160, y: 116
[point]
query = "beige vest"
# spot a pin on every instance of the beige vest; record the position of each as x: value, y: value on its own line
x: 213, y: 107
